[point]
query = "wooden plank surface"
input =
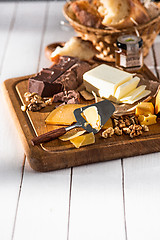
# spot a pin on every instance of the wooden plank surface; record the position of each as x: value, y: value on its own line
x: 11, y: 154
x: 135, y: 180
x: 24, y: 46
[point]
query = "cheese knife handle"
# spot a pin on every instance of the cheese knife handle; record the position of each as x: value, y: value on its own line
x: 46, y: 137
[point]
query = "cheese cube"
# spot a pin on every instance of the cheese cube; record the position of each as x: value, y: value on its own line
x: 144, y: 108
x: 148, y: 119
x: 105, y: 78
x: 157, y: 103
x: 126, y: 87
x: 133, y: 94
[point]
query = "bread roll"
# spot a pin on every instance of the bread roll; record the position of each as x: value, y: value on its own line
x: 75, y: 47
x: 122, y: 13
x: 86, y: 13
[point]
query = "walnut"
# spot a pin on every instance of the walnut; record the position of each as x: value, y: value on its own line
x: 35, y: 102
x: 121, y: 123
x: 145, y: 128
x: 108, y: 132
x: 115, y: 122
x: 127, y: 130
x: 118, y: 131
x: 49, y: 101
x: 128, y: 124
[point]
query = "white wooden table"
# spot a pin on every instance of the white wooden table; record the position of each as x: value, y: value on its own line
x: 116, y: 200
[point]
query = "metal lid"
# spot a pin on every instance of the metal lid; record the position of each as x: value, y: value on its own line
x: 125, y: 40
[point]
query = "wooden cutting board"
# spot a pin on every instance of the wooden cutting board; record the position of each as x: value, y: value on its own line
x: 58, y: 154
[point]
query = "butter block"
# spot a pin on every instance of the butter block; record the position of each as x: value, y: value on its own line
x: 133, y: 94
x: 92, y: 117
x: 147, y: 119
x: 83, y: 140
x: 126, y: 87
x: 144, y: 108
x: 104, y: 77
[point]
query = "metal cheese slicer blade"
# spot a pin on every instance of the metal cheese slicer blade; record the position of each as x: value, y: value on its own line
x: 105, y: 110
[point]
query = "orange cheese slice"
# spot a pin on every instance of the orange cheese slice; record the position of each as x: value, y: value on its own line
x: 63, y: 115
x: 83, y: 140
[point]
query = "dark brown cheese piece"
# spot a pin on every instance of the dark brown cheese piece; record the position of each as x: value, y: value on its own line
x: 67, y: 74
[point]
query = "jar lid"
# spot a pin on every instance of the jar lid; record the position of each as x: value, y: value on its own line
x: 125, y: 40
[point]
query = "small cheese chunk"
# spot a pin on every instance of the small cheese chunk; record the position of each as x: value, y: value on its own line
x: 83, y: 140
x: 147, y: 119
x: 133, y: 94
x: 143, y: 94
x: 157, y: 103
x: 144, y: 108
x: 105, y: 78
x: 126, y: 87
x: 92, y: 117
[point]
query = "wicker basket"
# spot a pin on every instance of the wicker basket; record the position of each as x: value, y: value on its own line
x: 105, y: 39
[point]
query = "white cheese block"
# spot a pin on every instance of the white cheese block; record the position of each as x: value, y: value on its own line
x: 104, y: 77
x: 133, y: 94
x: 126, y: 87
x: 144, y: 93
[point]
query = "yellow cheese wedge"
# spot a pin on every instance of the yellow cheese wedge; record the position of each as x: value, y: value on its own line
x: 144, y: 108
x: 104, y: 77
x: 143, y: 94
x: 126, y: 87
x: 147, y: 119
x: 157, y: 103
x: 72, y: 134
x: 133, y: 94
x: 92, y: 117
x: 83, y: 140
x: 108, y: 124
x: 63, y: 115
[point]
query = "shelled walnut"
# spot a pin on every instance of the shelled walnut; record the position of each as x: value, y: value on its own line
x: 34, y: 102
x: 127, y: 124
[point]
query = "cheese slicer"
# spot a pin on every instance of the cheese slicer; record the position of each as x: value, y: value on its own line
x: 104, y: 109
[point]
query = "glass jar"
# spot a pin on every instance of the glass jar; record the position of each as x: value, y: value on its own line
x: 129, y: 53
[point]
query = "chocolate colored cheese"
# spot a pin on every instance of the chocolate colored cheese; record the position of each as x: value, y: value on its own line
x: 67, y: 74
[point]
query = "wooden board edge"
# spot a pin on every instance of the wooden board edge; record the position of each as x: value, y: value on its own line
x: 25, y: 131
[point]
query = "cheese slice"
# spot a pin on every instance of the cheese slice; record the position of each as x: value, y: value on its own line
x: 133, y: 94
x: 83, y: 140
x: 92, y: 117
x: 104, y: 77
x: 126, y: 87
x: 143, y: 94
